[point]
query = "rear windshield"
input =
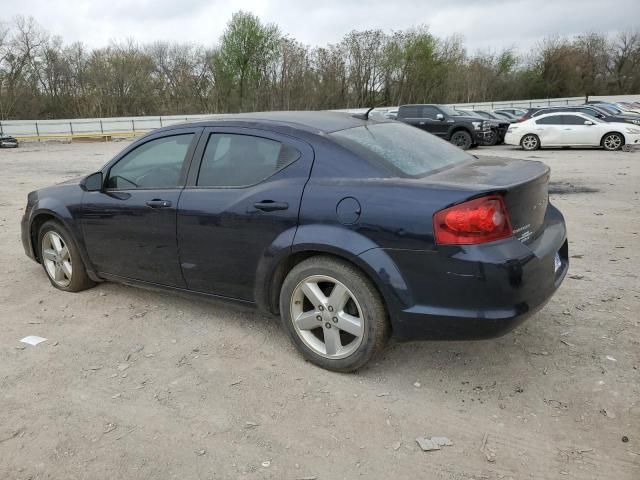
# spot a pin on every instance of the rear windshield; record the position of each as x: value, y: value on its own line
x: 406, y: 150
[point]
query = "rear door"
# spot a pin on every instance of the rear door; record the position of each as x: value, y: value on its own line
x: 549, y: 130
x: 240, y: 206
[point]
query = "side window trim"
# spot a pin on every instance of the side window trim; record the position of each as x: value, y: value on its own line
x: 198, y: 155
x: 186, y: 163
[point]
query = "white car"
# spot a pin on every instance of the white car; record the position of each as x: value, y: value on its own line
x: 571, y: 130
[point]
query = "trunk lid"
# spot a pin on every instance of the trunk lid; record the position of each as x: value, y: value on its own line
x: 523, y: 183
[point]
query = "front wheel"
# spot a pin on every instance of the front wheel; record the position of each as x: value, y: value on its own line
x: 491, y: 138
x: 61, y: 259
x: 530, y: 142
x: 461, y: 139
x: 333, y: 314
x: 612, y: 141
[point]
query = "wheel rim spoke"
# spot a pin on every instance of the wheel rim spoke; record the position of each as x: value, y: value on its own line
x: 58, y: 274
x: 332, y: 341
x: 313, y: 293
x: 49, y: 254
x: 349, y: 324
x: 339, y: 296
x: 57, y: 243
x: 308, y: 320
x: 66, y: 269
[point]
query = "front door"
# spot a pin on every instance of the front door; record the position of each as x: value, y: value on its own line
x: 130, y: 226
x: 575, y: 132
x: 239, y: 206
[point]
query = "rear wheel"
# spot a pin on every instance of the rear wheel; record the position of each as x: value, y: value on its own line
x: 530, y: 142
x: 612, y: 141
x: 462, y: 139
x: 61, y: 259
x: 333, y: 314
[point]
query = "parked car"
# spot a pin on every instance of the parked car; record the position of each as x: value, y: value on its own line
x: 392, y: 232
x: 7, y: 141
x: 493, y: 116
x: 445, y: 122
x: 516, y: 112
x: 592, y: 110
x: 498, y: 128
x: 571, y: 130
x: 392, y: 113
x: 610, y: 108
x: 507, y: 116
x: 627, y: 108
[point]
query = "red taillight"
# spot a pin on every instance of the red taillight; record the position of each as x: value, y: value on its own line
x: 479, y: 220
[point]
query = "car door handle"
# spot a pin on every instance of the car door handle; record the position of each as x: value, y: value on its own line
x: 270, y: 205
x: 158, y: 203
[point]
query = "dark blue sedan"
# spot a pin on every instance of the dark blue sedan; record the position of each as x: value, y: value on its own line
x: 351, y: 229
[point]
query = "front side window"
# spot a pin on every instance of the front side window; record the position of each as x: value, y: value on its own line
x: 429, y: 112
x: 573, y: 120
x: 155, y: 164
x: 236, y: 160
x: 406, y: 150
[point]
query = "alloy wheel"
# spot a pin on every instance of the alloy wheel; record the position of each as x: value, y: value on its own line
x: 530, y: 142
x: 327, y: 317
x: 56, y: 258
x: 461, y: 139
x: 612, y: 142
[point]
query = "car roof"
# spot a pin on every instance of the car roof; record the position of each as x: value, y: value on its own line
x: 315, y: 122
x: 554, y: 114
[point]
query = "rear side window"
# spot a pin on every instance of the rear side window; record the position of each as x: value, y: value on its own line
x: 236, y: 160
x: 406, y: 150
x: 410, y: 111
x: 552, y: 120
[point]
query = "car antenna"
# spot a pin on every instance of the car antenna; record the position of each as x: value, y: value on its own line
x: 365, y: 115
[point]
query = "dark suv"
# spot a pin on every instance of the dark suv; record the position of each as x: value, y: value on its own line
x: 592, y: 110
x: 464, y: 131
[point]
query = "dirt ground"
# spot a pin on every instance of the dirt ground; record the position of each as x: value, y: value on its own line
x: 139, y: 384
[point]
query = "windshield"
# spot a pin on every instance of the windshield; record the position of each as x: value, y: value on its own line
x: 406, y: 150
x: 609, y: 109
x: 450, y: 111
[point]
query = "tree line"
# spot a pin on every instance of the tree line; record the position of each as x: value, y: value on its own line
x: 254, y: 67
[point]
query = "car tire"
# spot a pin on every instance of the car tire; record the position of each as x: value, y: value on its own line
x: 530, y: 142
x: 347, y: 328
x: 491, y: 139
x: 60, y: 258
x: 461, y: 139
x: 612, y: 141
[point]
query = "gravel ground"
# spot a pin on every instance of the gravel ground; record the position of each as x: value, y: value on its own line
x: 138, y: 384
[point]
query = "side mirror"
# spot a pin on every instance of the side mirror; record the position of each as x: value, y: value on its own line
x: 588, y: 122
x: 92, y: 183
x: 439, y: 116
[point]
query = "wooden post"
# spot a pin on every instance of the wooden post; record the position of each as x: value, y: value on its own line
x: 37, y: 131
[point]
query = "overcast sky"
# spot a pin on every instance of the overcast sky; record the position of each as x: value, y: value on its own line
x: 484, y: 24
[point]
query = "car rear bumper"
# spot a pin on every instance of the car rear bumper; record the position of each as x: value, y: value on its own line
x: 478, y: 291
